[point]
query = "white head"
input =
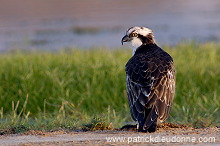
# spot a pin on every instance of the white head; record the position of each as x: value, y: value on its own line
x: 138, y: 36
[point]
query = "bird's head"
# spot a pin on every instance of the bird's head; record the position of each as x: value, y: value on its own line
x: 138, y: 36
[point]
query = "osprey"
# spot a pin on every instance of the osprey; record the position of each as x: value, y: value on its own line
x: 150, y: 80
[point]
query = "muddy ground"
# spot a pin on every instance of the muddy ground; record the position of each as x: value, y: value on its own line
x: 163, y: 136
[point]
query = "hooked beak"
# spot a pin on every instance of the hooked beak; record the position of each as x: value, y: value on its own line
x: 125, y: 39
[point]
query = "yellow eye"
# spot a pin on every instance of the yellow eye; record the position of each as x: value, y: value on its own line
x: 133, y: 35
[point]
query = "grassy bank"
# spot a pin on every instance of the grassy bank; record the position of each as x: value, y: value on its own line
x: 86, y: 88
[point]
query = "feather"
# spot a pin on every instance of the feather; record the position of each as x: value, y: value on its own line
x: 150, y: 80
x: 150, y: 85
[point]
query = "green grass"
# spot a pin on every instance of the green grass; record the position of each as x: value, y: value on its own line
x: 85, y: 89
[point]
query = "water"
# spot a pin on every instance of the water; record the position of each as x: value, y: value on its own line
x: 52, y: 24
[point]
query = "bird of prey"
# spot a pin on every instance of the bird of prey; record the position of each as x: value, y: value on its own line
x: 150, y: 80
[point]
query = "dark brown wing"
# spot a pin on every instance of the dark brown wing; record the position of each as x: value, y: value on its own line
x: 150, y: 82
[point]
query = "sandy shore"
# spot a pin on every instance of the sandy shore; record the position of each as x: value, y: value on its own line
x: 176, y: 136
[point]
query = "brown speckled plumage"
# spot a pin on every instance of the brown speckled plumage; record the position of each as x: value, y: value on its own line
x: 150, y: 82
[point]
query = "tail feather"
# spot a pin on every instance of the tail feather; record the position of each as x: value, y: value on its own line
x: 151, y: 120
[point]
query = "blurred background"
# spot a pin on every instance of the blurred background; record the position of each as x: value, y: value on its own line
x: 56, y: 24
x: 54, y: 89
